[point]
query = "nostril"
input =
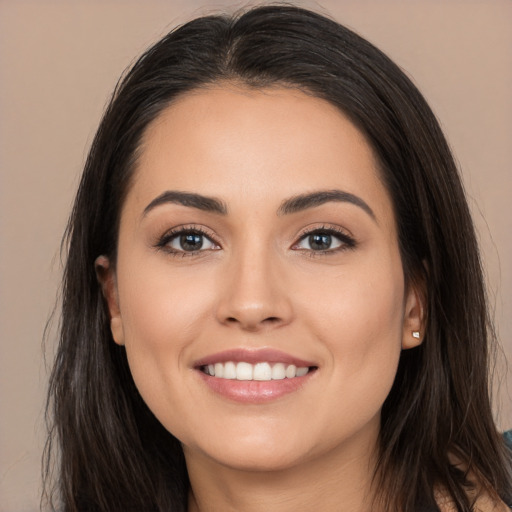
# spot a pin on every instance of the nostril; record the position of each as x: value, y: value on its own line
x: 252, y: 324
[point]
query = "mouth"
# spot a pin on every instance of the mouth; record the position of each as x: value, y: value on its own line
x: 254, y: 376
x: 261, y: 371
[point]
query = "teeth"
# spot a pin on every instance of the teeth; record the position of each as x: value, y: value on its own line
x: 230, y: 370
x: 244, y: 371
x: 278, y: 371
x: 291, y: 370
x: 219, y: 370
x: 301, y: 372
x: 260, y: 371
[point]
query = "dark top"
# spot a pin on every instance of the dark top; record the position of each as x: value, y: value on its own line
x: 508, y: 440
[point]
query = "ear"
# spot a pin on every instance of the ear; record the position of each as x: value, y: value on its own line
x: 414, y: 316
x: 107, y: 278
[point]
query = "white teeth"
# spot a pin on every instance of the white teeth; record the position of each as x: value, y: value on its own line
x: 278, y: 371
x: 243, y: 371
x: 290, y: 371
x: 301, y: 371
x: 219, y: 370
x: 230, y: 370
x: 260, y: 371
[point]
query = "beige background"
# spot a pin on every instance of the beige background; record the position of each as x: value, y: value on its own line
x: 59, y: 60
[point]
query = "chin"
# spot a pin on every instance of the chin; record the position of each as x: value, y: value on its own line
x: 261, y: 458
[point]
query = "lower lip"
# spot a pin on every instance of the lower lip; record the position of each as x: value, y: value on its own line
x: 254, y: 391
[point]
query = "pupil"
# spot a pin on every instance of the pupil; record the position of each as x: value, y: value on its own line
x: 191, y: 242
x: 320, y: 242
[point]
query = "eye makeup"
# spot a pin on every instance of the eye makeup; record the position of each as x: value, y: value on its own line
x: 187, y: 240
x: 190, y: 240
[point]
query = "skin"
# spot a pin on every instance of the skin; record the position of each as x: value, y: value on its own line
x: 258, y: 284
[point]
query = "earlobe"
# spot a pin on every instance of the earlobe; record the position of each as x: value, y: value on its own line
x: 414, y: 318
x: 116, y: 327
x: 107, y: 278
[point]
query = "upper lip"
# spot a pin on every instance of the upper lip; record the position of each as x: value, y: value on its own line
x: 268, y: 355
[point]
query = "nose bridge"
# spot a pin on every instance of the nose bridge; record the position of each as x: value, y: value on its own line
x: 253, y: 291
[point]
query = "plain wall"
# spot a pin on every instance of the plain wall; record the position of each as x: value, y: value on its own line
x: 59, y: 61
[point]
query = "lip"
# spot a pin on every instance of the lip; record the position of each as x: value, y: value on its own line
x: 254, y: 392
x: 238, y: 355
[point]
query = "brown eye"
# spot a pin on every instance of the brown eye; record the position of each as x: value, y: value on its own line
x: 189, y: 241
x: 320, y: 242
x: 325, y: 240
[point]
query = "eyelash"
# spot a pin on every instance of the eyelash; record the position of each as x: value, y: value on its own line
x: 165, y: 240
x: 347, y: 242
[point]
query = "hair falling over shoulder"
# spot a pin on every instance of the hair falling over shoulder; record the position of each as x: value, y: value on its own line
x: 108, y: 450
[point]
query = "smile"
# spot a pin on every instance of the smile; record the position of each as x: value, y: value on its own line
x: 254, y: 376
x: 262, y: 371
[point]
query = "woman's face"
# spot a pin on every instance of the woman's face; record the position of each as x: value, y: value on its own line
x: 257, y: 238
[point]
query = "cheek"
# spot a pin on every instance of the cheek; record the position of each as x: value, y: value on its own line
x: 160, y: 308
x: 359, y: 317
x: 361, y: 328
x: 162, y: 315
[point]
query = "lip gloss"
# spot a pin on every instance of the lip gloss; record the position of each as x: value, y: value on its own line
x: 253, y: 390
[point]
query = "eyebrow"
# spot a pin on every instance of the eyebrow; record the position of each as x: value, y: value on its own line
x: 304, y: 201
x: 204, y: 203
x: 289, y: 206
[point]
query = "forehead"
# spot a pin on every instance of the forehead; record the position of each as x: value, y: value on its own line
x: 246, y: 144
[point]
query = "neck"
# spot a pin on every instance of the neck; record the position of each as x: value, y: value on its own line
x: 338, y: 481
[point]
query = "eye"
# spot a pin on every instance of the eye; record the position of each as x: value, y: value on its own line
x: 325, y: 240
x: 187, y: 241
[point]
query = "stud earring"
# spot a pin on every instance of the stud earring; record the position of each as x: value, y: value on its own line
x: 416, y: 334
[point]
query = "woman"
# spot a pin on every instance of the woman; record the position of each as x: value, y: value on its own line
x: 273, y: 298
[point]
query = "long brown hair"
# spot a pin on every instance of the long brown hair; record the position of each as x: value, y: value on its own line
x: 112, y: 453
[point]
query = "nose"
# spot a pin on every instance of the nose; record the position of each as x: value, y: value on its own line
x: 254, y: 295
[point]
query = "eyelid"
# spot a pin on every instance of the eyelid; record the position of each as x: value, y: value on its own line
x: 163, y: 241
x: 344, y: 236
x: 346, y: 239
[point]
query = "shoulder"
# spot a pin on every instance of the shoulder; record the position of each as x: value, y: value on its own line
x: 482, y: 502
